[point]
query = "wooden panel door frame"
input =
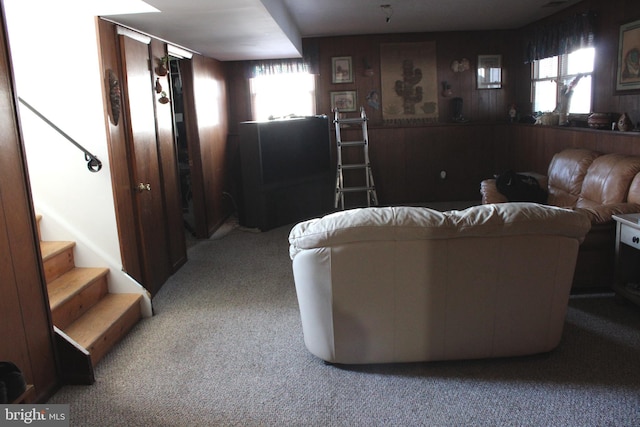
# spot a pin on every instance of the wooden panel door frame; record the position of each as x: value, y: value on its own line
x: 207, y: 141
x: 119, y: 153
x: 27, y: 332
x: 193, y: 145
x: 149, y: 204
x: 150, y: 271
x: 169, y: 173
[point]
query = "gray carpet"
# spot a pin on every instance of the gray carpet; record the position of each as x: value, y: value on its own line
x: 225, y: 348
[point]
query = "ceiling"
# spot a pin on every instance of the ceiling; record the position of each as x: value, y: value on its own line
x: 230, y: 30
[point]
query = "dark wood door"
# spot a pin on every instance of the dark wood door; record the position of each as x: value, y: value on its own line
x: 144, y: 162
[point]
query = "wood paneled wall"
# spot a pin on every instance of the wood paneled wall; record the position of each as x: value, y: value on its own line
x: 530, y: 147
x: 611, y: 15
x: 26, y: 336
x: 206, y: 110
x: 407, y: 160
x: 479, y: 105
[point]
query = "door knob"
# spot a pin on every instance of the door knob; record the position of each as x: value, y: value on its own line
x: 141, y: 187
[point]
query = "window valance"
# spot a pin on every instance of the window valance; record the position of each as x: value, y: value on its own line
x: 307, y: 64
x: 276, y: 66
x: 558, y: 38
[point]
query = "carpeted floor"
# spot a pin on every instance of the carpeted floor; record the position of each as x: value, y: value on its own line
x: 225, y: 348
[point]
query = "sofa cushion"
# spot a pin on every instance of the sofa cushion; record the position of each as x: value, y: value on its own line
x: 566, y: 174
x: 608, y: 180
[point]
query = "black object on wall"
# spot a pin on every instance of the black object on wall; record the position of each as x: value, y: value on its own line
x: 457, y: 109
x: 286, y: 171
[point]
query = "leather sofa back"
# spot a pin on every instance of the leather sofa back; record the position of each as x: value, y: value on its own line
x: 566, y: 175
x: 407, y: 284
x: 400, y: 223
x: 608, y: 180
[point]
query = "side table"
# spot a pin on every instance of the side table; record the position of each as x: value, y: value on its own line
x: 627, y: 268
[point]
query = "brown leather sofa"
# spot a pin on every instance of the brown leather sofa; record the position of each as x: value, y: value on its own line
x: 599, y: 185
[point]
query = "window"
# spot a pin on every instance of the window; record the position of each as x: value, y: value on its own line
x: 283, y: 95
x: 551, y: 77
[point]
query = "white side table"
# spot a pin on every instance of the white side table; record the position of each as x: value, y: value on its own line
x: 627, y: 272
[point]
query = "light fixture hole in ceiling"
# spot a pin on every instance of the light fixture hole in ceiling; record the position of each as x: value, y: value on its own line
x: 388, y: 12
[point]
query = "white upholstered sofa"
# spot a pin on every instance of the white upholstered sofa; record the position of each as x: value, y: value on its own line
x: 407, y: 284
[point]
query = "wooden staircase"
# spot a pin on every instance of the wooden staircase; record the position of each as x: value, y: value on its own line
x: 87, y: 318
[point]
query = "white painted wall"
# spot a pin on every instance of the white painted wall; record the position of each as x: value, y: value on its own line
x: 56, y: 67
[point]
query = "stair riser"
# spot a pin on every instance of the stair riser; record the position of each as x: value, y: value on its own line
x: 114, y: 334
x: 55, y: 266
x: 71, y: 310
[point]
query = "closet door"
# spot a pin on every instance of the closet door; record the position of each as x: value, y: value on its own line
x: 138, y: 90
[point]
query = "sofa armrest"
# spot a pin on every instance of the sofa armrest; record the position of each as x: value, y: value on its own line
x: 490, y: 193
x: 601, y: 214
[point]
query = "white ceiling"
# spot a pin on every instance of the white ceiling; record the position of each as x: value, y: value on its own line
x: 230, y: 30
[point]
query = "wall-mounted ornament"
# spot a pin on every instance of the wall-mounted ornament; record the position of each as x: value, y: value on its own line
x: 624, y: 123
x: 163, y: 66
x: 460, y: 65
x: 513, y: 113
x: 114, y: 96
x: 368, y: 70
x: 158, y: 85
x: 446, y: 89
x: 373, y: 99
x: 164, y: 99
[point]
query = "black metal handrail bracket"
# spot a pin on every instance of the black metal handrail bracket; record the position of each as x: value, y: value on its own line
x: 93, y: 163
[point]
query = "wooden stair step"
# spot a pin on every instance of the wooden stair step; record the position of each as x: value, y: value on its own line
x: 102, y: 326
x: 57, y: 258
x: 75, y: 292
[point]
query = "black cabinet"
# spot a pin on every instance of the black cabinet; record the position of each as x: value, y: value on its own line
x: 286, y: 171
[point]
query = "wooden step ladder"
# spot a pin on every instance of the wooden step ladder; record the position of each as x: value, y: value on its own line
x: 88, y: 319
x: 364, y: 165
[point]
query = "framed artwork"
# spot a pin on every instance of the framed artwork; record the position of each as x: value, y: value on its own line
x: 628, y: 76
x: 489, y: 71
x: 409, y: 78
x: 344, y: 101
x: 342, y: 69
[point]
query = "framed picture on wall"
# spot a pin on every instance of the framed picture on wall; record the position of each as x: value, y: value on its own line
x: 344, y: 101
x: 628, y: 76
x: 489, y: 71
x: 342, y: 69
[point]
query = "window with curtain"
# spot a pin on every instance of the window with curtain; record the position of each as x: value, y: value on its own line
x: 563, y: 78
x: 281, y: 89
x: 562, y: 56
